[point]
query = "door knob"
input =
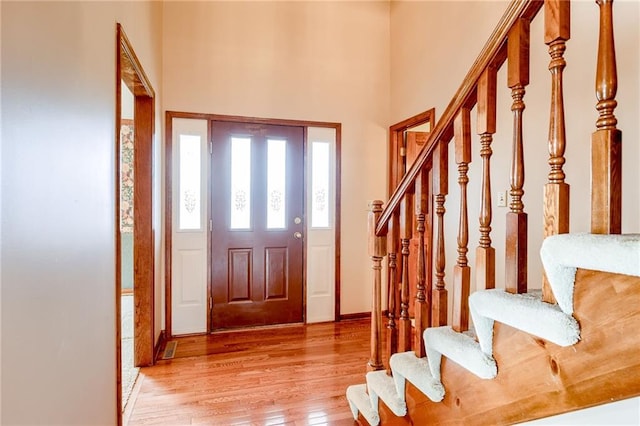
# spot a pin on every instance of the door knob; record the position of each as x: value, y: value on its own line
x: 298, y: 235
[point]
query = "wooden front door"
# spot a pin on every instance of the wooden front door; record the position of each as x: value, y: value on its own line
x: 257, y: 181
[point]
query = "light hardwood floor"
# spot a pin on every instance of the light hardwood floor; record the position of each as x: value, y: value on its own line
x: 292, y: 375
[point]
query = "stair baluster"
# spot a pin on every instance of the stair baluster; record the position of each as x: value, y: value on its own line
x: 392, y: 247
x: 556, y: 191
x: 516, y: 230
x: 404, y: 340
x: 606, y: 141
x: 486, y: 123
x: 462, y: 271
x: 440, y: 189
x: 423, y: 298
x: 377, y: 249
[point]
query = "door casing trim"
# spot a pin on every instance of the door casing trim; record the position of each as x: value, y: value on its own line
x: 129, y: 70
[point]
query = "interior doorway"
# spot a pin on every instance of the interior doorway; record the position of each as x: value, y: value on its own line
x: 134, y: 207
x: 406, y: 140
x: 129, y: 372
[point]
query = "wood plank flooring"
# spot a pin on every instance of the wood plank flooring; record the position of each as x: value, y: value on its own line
x: 293, y: 375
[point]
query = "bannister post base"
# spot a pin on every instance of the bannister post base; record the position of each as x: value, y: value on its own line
x: 556, y: 221
x: 461, y: 279
x: 516, y: 253
x: 404, y: 338
x: 440, y: 308
x: 392, y: 342
x: 606, y: 181
x: 373, y: 366
x: 486, y: 268
x: 422, y: 323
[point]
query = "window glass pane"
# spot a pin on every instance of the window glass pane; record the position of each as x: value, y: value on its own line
x: 240, y: 183
x: 276, y: 178
x: 320, y: 185
x: 189, y: 201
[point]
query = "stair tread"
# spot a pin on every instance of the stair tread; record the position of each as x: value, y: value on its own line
x: 407, y: 366
x: 526, y: 312
x: 381, y: 385
x: 359, y: 402
x: 461, y: 348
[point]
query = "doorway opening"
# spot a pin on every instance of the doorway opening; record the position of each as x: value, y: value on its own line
x: 252, y: 224
x: 134, y: 240
x: 406, y: 140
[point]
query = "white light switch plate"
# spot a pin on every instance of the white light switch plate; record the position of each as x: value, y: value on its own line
x: 502, y: 198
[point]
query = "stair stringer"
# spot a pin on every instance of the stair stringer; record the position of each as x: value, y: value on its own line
x: 537, y: 378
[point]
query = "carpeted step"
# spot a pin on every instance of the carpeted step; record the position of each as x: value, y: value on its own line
x: 359, y: 402
x: 382, y: 386
x: 526, y: 312
x: 562, y: 254
x: 407, y: 366
x: 460, y: 348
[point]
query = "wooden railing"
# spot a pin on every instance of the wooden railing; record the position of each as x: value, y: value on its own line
x: 424, y: 188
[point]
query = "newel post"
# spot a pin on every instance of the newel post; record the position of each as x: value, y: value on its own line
x: 377, y: 249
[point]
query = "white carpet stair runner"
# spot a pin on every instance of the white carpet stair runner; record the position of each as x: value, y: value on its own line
x: 406, y: 366
x: 382, y: 386
x: 461, y: 348
x: 359, y: 402
x: 561, y: 256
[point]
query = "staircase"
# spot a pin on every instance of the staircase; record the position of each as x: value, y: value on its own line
x: 510, y: 353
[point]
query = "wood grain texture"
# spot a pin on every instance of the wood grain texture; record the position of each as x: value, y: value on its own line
x: 377, y: 250
x: 440, y: 190
x: 422, y: 308
x: 606, y: 69
x: 603, y: 367
x: 486, y: 123
x: 518, y: 54
x: 293, y: 375
x: 606, y: 182
x: 393, y: 297
x: 491, y: 55
x: 461, y: 271
x: 606, y: 185
x: 485, y: 268
x: 557, y: 20
x: 556, y: 221
x: 143, y: 234
x: 377, y: 245
x: 556, y: 192
x: 516, y: 253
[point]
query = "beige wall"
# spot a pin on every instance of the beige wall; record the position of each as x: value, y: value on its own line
x: 58, y: 150
x: 429, y: 63
x: 324, y: 61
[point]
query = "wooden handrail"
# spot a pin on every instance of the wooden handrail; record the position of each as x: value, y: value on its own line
x: 493, y: 53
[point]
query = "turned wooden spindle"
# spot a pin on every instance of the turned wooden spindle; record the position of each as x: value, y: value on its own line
x: 461, y: 270
x: 556, y: 191
x: 606, y: 141
x: 440, y: 189
x: 404, y: 338
x: 516, y: 230
x: 393, y: 236
x: 377, y: 249
x: 423, y: 297
x: 485, y: 254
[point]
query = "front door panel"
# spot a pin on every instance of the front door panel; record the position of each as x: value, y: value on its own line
x: 257, y: 181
